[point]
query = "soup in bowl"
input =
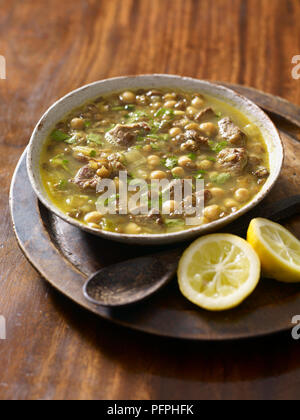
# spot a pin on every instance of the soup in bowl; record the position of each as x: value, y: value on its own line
x: 147, y: 131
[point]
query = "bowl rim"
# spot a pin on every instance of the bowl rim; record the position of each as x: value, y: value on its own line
x: 153, y: 239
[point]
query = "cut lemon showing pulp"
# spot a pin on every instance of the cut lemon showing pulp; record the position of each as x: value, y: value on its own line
x: 277, y: 248
x: 218, y: 272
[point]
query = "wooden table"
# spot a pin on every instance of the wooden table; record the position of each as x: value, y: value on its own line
x: 55, y: 350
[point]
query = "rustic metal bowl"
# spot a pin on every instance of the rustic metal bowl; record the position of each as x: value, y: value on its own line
x: 79, y: 96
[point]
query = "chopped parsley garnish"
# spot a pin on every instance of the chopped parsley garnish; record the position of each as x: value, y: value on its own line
x: 93, y: 153
x: 129, y: 107
x: 199, y: 174
x: 62, y: 184
x: 87, y: 124
x: 217, y: 147
x: 94, y: 138
x: 192, y: 156
x: 164, y: 111
x: 118, y: 108
x: 220, y: 179
x: 72, y: 140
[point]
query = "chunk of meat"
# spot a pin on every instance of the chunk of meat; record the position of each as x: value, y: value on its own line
x: 191, y: 141
x: 150, y: 218
x: 231, y: 132
x: 125, y: 135
x: 232, y: 160
x: 86, y: 178
x: 204, y: 114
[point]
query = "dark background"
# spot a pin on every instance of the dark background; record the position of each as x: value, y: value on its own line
x: 54, y: 349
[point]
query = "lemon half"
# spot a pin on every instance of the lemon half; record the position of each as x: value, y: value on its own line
x: 218, y: 272
x: 277, y: 248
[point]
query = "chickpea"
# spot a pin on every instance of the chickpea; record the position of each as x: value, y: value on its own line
x: 212, y: 212
x: 192, y: 126
x: 175, y: 131
x: 103, y: 172
x: 147, y: 148
x: 142, y: 100
x: 93, y: 217
x: 128, y: 97
x: 242, y: 195
x: 191, y: 111
x: 217, y: 193
x: 197, y: 102
x: 77, y: 123
x: 170, y: 104
x: 153, y: 160
x: 178, y: 171
x: 158, y: 175
x: 132, y: 229
x: 205, y: 165
x: 156, y: 105
x: 170, y: 207
x: 229, y: 203
x: 185, y: 161
x: 209, y: 129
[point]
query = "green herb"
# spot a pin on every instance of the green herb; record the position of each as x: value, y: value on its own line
x: 199, y: 174
x: 93, y: 153
x: 59, y: 135
x: 192, y: 156
x: 220, y: 179
x: 217, y: 147
x: 72, y: 140
x: 94, y: 138
x: 112, y: 199
x: 140, y: 138
x: 164, y: 111
x: 154, y: 146
x: 129, y: 107
x: 212, y: 159
x: 170, y: 162
x: 218, y: 114
x: 87, y: 123
x: 60, y: 161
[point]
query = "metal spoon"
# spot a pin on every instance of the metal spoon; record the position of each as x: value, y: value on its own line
x: 135, y: 280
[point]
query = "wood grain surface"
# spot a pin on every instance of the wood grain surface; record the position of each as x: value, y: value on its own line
x: 55, y: 350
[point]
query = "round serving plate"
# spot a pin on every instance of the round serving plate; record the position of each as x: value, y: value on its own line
x: 65, y: 256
